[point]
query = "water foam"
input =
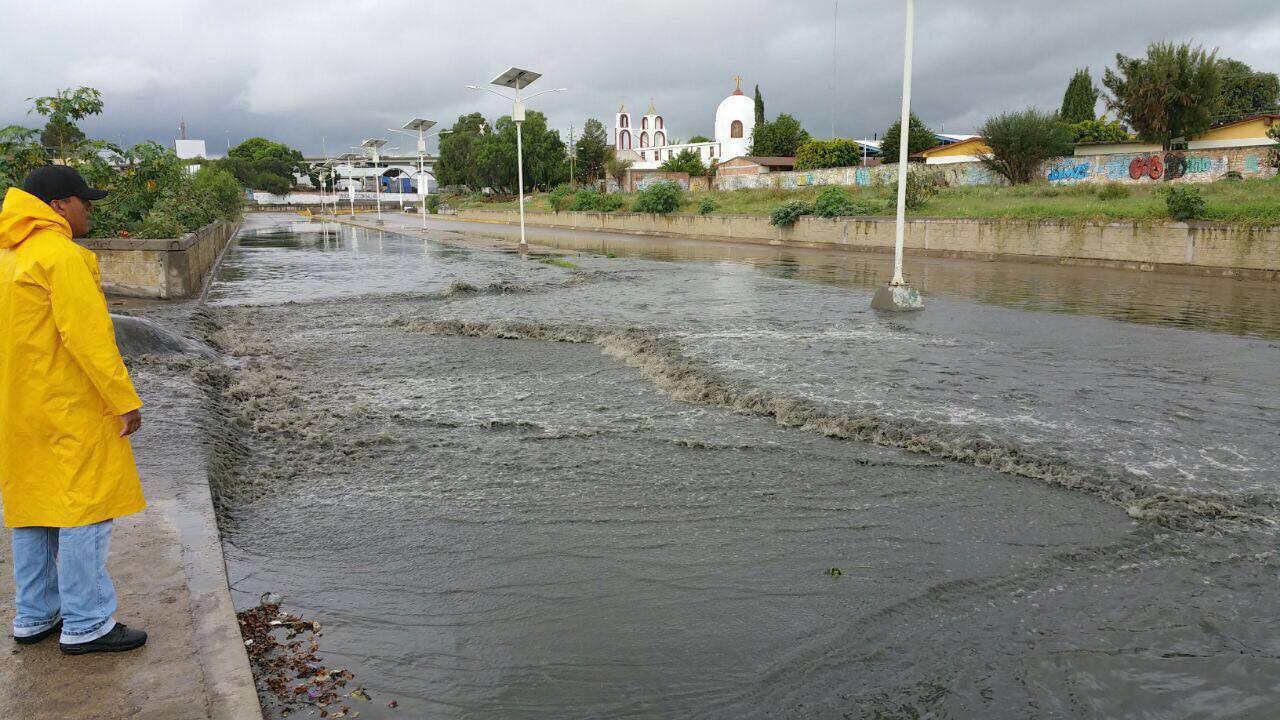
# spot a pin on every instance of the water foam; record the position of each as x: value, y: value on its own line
x: 661, y: 360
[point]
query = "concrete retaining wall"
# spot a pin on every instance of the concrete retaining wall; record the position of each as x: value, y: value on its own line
x: 165, y: 269
x: 1205, y: 248
x: 1197, y: 166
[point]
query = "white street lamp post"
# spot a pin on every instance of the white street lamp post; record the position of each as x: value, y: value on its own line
x: 373, y: 145
x: 518, y: 79
x: 898, y: 295
x: 422, y: 126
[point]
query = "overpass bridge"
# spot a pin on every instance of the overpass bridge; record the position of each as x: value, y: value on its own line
x: 362, y: 171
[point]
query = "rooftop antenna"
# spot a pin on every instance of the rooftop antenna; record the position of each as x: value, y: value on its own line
x: 182, y: 129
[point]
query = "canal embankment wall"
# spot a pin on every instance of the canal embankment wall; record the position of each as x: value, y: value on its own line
x: 1194, y: 247
x: 166, y: 269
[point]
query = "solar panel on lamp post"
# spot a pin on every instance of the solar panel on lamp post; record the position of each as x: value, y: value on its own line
x: 898, y: 294
x: 517, y: 79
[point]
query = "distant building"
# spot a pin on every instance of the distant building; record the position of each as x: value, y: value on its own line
x: 189, y: 149
x: 1245, y: 132
x: 647, y: 143
x: 751, y: 165
x: 972, y: 149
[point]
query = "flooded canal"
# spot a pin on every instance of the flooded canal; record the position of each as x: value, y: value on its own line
x: 706, y: 481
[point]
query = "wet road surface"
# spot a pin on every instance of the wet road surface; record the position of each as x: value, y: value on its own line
x: 514, y: 489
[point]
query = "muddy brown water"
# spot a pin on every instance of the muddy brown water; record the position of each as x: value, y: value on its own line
x: 512, y: 489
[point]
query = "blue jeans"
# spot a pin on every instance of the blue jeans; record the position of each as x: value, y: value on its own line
x: 61, y: 573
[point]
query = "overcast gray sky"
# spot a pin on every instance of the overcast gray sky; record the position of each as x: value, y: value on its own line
x: 300, y: 70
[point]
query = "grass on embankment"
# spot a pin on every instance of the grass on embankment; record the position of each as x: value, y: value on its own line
x: 1250, y: 202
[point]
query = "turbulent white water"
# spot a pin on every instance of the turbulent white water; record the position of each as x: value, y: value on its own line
x: 514, y: 490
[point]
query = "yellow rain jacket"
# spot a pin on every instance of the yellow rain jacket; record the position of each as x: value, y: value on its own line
x: 63, y: 384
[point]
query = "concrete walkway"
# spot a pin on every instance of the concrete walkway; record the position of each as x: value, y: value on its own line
x: 168, y: 569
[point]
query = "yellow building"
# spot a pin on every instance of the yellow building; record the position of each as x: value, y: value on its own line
x: 970, y: 150
x: 1248, y: 132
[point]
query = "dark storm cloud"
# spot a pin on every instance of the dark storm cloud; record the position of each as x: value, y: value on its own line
x: 303, y: 71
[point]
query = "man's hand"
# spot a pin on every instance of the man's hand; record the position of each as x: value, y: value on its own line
x: 131, y: 421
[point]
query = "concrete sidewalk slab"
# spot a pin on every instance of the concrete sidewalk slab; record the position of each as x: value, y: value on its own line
x: 168, y: 569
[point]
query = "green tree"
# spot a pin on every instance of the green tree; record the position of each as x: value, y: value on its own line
x: 545, y: 162
x: 63, y: 109
x: 1080, y: 101
x: 1021, y: 141
x: 780, y: 138
x: 1097, y: 131
x: 456, y: 164
x: 759, y: 102
x: 61, y: 136
x: 839, y: 152
x: 1246, y: 91
x: 592, y: 149
x: 20, y: 153
x: 700, y: 139
x: 920, y: 138
x: 685, y: 161
x: 1174, y: 92
x: 616, y: 168
x: 263, y: 164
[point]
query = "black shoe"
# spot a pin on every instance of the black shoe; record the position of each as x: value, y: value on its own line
x: 33, y: 639
x: 120, y: 639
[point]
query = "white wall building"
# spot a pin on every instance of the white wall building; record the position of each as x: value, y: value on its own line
x: 189, y: 149
x: 647, y: 142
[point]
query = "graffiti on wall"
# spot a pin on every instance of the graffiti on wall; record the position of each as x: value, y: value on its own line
x: 1151, y: 167
x: 648, y: 181
x: 1068, y: 172
x: 1128, y: 168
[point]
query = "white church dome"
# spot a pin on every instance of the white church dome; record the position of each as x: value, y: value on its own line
x: 735, y: 120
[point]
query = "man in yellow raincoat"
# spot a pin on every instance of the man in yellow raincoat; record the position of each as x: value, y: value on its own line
x: 67, y: 407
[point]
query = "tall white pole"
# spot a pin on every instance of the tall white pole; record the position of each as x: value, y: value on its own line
x: 518, y: 112
x: 422, y: 174
x: 903, y: 146
x: 524, y: 244
x: 377, y: 186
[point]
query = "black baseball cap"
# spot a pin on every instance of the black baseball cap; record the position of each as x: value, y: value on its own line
x: 59, y: 182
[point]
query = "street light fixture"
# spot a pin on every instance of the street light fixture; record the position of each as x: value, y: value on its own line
x: 898, y: 294
x: 517, y: 79
x: 373, y: 145
x: 420, y: 126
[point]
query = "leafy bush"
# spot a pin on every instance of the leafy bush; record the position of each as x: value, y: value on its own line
x: 832, y: 202
x: 160, y: 224
x: 921, y: 186
x: 835, y: 202
x: 1184, y: 203
x: 586, y: 201
x: 838, y: 152
x: 707, y: 206
x: 787, y: 215
x: 611, y: 203
x: 220, y: 190
x: 1021, y: 141
x: 433, y: 204
x: 1113, y: 191
x: 685, y: 161
x: 1097, y: 131
x: 661, y: 197
x: 561, y: 197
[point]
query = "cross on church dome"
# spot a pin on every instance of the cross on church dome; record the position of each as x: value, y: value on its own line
x: 737, y: 79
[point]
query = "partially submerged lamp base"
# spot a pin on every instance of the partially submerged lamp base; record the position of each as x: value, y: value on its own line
x: 897, y: 298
